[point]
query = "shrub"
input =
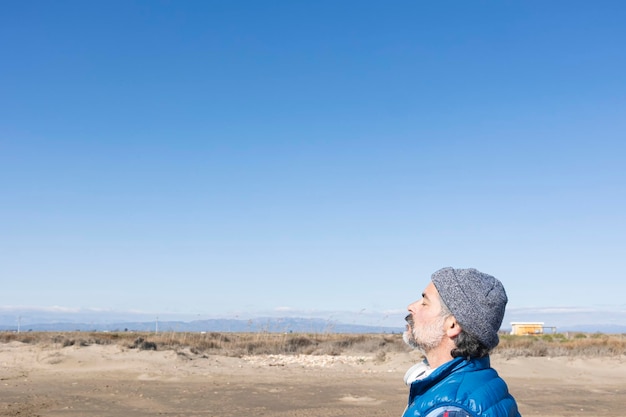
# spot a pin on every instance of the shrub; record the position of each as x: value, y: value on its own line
x: 379, y: 345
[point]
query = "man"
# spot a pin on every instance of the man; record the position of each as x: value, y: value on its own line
x: 455, y: 324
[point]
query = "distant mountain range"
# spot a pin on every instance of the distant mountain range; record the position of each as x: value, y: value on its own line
x: 261, y: 324
x: 594, y: 328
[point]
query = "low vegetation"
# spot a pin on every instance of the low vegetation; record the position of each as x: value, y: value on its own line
x: 558, y: 344
x: 240, y: 344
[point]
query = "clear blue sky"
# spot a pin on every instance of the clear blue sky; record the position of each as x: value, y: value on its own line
x: 223, y: 158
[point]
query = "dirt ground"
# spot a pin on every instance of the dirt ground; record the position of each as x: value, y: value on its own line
x: 109, y: 381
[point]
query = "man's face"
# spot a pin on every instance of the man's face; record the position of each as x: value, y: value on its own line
x: 425, y: 323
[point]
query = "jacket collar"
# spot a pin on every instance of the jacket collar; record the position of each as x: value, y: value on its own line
x: 420, y: 386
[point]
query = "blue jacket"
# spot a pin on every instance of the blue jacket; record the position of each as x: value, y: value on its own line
x: 461, y: 388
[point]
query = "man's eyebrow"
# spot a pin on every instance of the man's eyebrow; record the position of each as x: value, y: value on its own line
x: 424, y: 295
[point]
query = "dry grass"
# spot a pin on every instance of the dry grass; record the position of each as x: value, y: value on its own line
x: 226, y: 344
x: 578, y: 344
x: 239, y: 344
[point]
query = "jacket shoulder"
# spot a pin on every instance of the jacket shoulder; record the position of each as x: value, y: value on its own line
x: 449, y: 411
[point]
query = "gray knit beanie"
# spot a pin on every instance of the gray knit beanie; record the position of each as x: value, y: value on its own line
x: 476, y: 300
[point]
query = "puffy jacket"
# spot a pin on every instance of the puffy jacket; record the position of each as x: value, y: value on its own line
x: 462, y: 388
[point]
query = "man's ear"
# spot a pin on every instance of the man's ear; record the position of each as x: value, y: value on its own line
x: 453, y: 328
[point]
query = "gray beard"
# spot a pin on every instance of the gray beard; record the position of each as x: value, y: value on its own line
x: 426, y: 338
x: 409, y: 339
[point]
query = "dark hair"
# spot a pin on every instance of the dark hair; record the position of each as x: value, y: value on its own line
x: 468, y: 346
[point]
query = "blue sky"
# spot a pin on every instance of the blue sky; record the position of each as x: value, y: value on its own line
x: 234, y: 158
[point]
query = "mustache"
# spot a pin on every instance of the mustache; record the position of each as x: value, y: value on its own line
x: 409, y: 320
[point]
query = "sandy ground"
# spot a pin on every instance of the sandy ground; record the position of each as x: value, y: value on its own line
x: 114, y: 381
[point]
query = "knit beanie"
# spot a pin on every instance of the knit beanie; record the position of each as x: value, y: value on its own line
x: 477, y: 301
